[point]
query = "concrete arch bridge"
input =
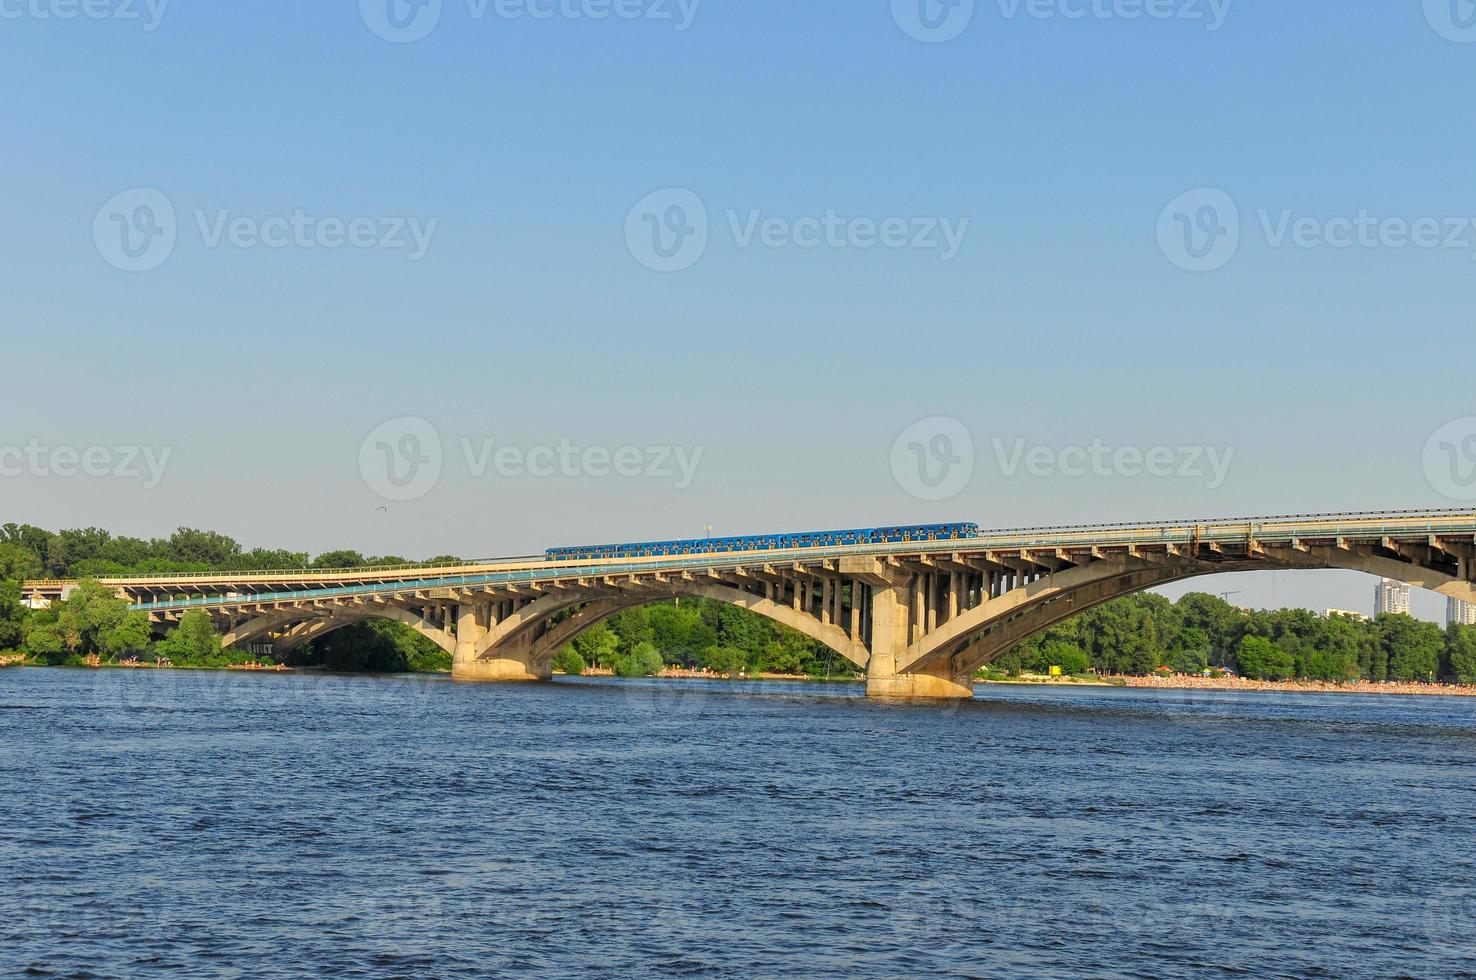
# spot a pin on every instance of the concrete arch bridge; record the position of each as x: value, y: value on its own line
x: 918, y: 618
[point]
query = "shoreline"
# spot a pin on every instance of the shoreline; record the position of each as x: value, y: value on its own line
x: 1406, y: 688
x: 1178, y: 682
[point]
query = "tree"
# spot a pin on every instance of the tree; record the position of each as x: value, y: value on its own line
x: 18, y: 562
x: 44, y: 640
x: 1413, y: 647
x: 12, y: 616
x: 568, y: 661
x: 193, y: 642
x: 339, y: 559
x: 727, y: 660
x: 95, y: 621
x: 1460, y: 651
x: 598, y: 645
x: 202, y: 547
x: 1260, y: 659
x: 130, y: 635
x: 1069, y: 657
x: 643, y: 661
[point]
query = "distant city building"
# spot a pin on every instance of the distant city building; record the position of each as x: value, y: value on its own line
x: 1392, y: 597
x: 1345, y: 614
x: 1460, y: 613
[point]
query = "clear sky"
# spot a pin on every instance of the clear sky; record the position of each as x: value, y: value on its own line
x: 1102, y: 232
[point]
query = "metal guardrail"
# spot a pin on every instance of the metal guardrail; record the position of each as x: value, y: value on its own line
x: 1276, y: 529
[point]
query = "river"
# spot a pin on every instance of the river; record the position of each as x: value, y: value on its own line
x: 229, y: 824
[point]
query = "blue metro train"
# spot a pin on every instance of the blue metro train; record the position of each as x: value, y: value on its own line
x: 768, y: 542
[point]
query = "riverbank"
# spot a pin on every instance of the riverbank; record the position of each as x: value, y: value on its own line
x: 1188, y: 683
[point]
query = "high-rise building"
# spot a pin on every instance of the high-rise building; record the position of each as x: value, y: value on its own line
x: 1392, y: 597
x: 1460, y: 613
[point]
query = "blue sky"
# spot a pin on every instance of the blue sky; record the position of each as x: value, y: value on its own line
x: 1055, y: 143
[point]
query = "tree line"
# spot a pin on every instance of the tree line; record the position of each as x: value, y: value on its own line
x: 27, y: 551
x: 1140, y: 634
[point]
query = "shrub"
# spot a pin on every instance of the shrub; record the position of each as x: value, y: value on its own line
x: 568, y: 661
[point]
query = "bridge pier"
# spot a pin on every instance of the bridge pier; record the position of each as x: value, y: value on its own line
x: 891, y: 626
x: 512, y: 662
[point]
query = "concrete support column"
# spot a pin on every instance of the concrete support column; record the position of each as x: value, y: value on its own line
x: 856, y: 633
x: 826, y: 609
x: 916, y: 602
x: 889, y: 638
x: 510, y: 662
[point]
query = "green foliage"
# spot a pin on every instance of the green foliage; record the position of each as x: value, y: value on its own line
x: 1460, y: 652
x: 598, y: 647
x: 568, y: 661
x: 44, y: 640
x: 727, y: 660
x: 12, y: 615
x: 1260, y: 659
x: 1413, y: 647
x: 94, y: 620
x: 374, y: 646
x: 18, y: 563
x: 193, y: 643
x: 1056, y: 653
x: 643, y: 661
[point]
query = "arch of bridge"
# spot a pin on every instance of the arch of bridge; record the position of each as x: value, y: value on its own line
x: 600, y: 606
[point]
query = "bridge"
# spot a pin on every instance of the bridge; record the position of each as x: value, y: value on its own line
x: 918, y: 618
